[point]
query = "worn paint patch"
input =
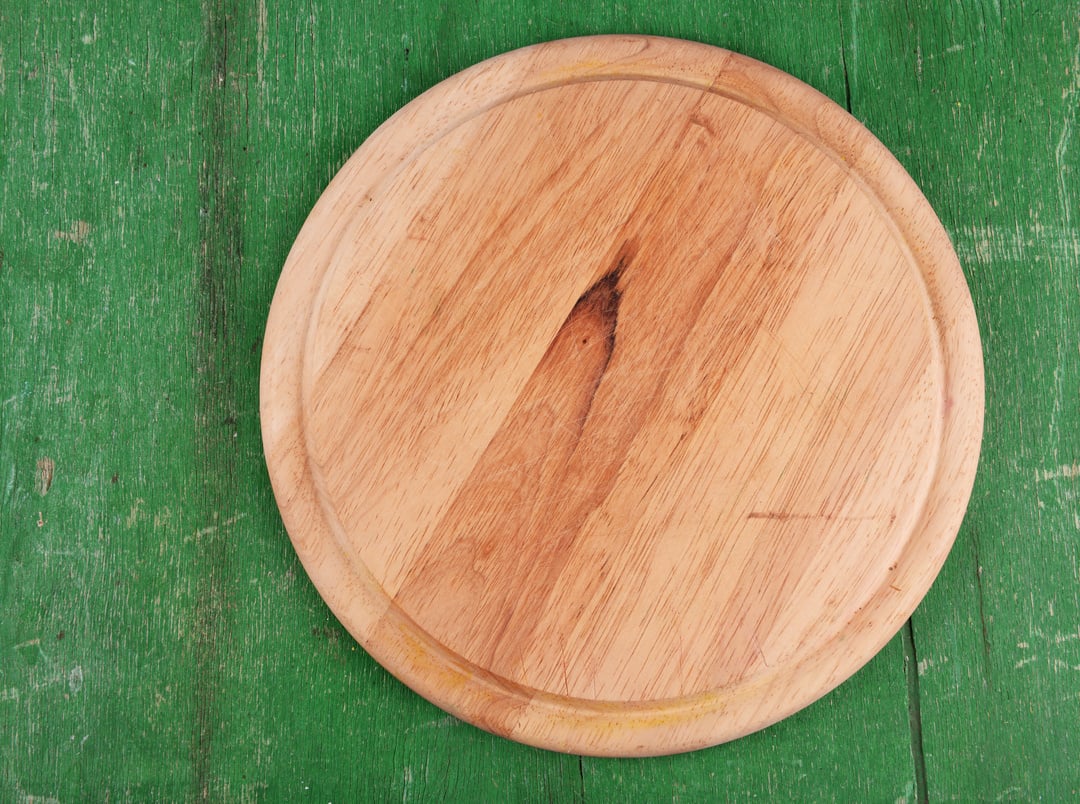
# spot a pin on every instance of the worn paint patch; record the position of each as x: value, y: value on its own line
x: 46, y: 468
x: 90, y: 37
x: 76, y: 233
x: 1070, y: 637
x: 1066, y: 470
x: 30, y: 799
x: 75, y: 680
x: 985, y: 243
x: 261, y: 41
x: 135, y: 513
x: 30, y: 651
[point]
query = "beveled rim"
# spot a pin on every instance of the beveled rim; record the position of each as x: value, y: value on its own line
x: 430, y: 668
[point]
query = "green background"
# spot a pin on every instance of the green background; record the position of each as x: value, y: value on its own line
x: 158, y: 637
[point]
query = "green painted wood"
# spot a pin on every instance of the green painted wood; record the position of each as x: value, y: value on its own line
x: 980, y: 103
x: 99, y: 227
x: 158, y: 638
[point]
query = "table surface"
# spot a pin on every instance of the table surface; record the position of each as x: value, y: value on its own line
x: 158, y: 637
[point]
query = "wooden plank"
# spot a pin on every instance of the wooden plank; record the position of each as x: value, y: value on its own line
x: 980, y: 103
x: 99, y: 220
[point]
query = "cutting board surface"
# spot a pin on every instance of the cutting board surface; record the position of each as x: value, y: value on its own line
x: 622, y: 395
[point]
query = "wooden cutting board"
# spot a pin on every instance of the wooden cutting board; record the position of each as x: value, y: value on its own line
x: 622, y: 395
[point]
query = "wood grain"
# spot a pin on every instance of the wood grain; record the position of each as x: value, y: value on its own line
x: 622, y: 443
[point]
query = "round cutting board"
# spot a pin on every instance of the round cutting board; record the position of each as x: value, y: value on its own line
x: 622, y: 395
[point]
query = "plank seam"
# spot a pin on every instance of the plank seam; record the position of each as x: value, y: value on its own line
x: 984, y: 629
x: 843, y: 56
x: 218, y: 262
x: 911, y: 670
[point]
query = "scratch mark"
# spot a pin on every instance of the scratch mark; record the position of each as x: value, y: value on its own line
x: 984, y: 628
x: 439, y: 723
x: 785, y: 516
x: 261, y: 44
x: 761, y: 653
x: 314, y: 78
x: 211, y: 529
x: 64, y: 553
x: 1070, y: 104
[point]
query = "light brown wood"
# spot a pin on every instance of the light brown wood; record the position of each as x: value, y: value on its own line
x: 622, y: 395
